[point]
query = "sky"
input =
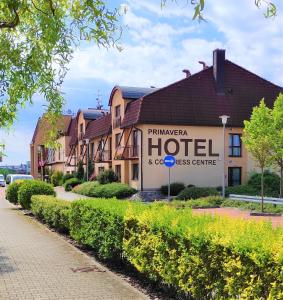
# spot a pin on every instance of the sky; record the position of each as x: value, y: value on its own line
x: 158, y: 43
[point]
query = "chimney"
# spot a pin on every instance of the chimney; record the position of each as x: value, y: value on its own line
x: 187, y: 72
x: 218, y: 70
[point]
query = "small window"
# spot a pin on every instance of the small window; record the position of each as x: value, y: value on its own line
x: 117, y: 139
x: 234, y: 176
x: 135, y: 171
x: 91, y: 151
x: 81, y: 127
x: 118, y: 172
x: 82, y: 149
x: 117, y: 111
x: 235, y: 145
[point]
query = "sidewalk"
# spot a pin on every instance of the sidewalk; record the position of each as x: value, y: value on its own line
x: 70, y: 196
x: 36, y: 263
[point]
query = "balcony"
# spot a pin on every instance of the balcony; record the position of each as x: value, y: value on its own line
x: 117, y: 122
x: 81, y: 136
x: 128, y: 152
x: 103, y: 156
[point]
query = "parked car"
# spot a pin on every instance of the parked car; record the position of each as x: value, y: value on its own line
x: 13, y: 177
x: 2, y: 180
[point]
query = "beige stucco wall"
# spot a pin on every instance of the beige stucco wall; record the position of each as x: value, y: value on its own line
x: 203, y: 170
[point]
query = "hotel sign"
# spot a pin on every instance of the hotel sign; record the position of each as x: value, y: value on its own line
x: 176, y: 142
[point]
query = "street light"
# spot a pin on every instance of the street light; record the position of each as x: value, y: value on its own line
x: 224, y: 120
x: 87, y: 156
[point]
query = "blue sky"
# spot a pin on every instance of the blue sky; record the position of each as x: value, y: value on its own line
x: 157, y: 45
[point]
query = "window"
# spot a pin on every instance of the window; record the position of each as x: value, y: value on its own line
x: 59, y: 154
x: 117, y: 139
x: 234, y: 176
x: 235, y: 145
x: 81, y: 128
x: 117, y: 111
x: 100, y: 170
x: 91, y: 151
x: 118, y: 171
x: 82, y: 150
x: 135, y: 171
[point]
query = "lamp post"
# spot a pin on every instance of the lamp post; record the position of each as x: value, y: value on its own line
x: 224, y: 120
x: 87, y: 157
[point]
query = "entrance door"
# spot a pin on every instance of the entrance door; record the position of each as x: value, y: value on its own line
x: 234, y: 176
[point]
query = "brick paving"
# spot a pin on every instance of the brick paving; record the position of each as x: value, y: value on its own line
x: 36, y: 263
x: 237, y: 213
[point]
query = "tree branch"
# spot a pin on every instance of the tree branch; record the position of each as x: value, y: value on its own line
x: 13, y: 23
x: 39, y: 8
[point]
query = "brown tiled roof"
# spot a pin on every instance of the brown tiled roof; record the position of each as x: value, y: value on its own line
x: 73, y: 132
x: 98, y: 127
x: 194, y: 101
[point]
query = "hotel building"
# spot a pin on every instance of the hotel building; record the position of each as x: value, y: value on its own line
x: 182, y: 119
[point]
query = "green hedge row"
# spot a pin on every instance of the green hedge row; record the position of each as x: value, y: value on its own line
x: 203, y: 257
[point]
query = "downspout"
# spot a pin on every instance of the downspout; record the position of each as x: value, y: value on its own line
x: 141, y: 159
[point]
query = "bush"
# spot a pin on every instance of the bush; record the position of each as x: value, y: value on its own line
x: 110, y: 190
x: 99, y: 224
x: 71, y: 183
x: 80, y: 171
x: 57, y: 178
x: 241, y: 190
x: 207, y: 202
x: 67, y: 176
x: 84, y: 188
x: 33, y: 187
x: 175, y: 188
x: 12, y: 191
x: 107, y: 176
x: 271, y: 183
x: 52, y: 211
x: 196, y: 192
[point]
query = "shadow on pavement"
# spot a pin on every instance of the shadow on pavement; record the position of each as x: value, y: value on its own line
x: 5, y: 264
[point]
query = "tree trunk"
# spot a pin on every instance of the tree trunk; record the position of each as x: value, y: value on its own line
x: 281, y: 179
x: 262, y: 183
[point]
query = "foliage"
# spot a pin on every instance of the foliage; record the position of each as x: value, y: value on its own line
x: 270, y: 208
x: 175, y: 188
x: 37, y: 62
x: 110, y: 190
x: 107, y: 176
x: 256, y: 136
x: 67, y: 176
x: 57, y: 178
x: 243, y: 189
x: 12, y: 191
x: 33, y: 187
x: 71, y: 183
x: 52, y: 211
x: 6, y: 171
x: 80, y: 171
x: 206, y: 202
x: 196, y: 192
x: 84, y: 188
x: 90, y: 168
x: 271, y: 183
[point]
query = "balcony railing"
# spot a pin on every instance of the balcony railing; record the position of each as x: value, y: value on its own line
x: 128, y: 152
x: 116, y: 122
x: 103, y: 156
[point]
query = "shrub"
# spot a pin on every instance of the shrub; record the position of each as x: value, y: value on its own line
x: 271, y: 183
x: 71, y: 183
x: 67, y: 176
x: 196, y: 192
x: 175, y: 188
x: 80, y: 171
x: 110, y: 190
x: 99, y: 224
x: 12, y: 191
x: 33, y: 187
x: 52, y: 211
x: 84, y: 188
x: 241, y: 190
x: 57, y: 178
x: 206, y: 202
x: 107, y: 176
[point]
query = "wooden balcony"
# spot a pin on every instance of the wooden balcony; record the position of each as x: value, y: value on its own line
x: 103, y: 156
x: 127, y: 153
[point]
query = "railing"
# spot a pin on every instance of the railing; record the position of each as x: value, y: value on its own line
x: 116, y: 122
x: 256, y: 199
x: 128, y: 152
x: 103, y: 156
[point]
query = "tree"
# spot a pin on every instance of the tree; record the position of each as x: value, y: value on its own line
x: 256, y: 136
x: 277, y: 137
x: 80, y: 171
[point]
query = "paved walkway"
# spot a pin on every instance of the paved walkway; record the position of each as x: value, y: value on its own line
x: 237, y: 213
x: 70, y: 196
x: 36, y: 263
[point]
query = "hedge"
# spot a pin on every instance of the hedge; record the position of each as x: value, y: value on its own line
x: 107, y: 176
x: 57, y: 178
x: 193, y: 192
x: 33, y: 187
x: 206, y: 202
x: 71, y: 183
x: 12, y: 191
x: 175, y: 188
x: 202, y: 257
x: 84, y: 188
x: 52, y: 211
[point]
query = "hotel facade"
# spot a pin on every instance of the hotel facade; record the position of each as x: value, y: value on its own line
x: 143, y: 125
